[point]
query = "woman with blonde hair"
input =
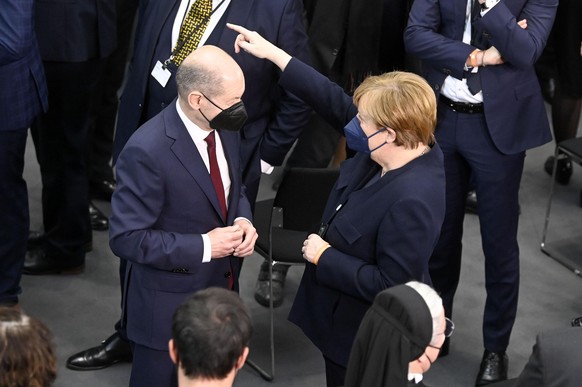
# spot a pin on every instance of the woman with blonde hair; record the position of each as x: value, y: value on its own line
x: 383, y: 216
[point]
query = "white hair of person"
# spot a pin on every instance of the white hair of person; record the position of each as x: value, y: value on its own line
x: 434, y: 303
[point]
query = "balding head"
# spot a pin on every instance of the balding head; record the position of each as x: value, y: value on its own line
x: 209, y: 70
x: 208, y: 74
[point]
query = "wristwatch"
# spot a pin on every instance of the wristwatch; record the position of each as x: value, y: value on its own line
x: 488, y: 4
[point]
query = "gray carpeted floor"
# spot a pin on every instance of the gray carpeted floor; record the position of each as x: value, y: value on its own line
x: 82, y: 309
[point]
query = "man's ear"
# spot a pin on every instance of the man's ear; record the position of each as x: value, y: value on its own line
x: 194, y: 99
x: 242, y: 359
x: 173, y: 351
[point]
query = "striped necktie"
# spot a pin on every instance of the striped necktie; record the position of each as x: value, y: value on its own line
x: 192, y: 29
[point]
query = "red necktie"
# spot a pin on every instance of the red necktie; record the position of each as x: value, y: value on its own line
x: 218, y: 187
x: 215, y: 172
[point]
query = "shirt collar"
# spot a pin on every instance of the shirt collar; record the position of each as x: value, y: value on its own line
x: 198, y: 134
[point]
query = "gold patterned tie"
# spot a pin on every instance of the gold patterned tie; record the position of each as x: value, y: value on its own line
x: 192, y: 29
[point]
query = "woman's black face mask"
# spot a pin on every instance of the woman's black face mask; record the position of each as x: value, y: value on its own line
x: 232, y: 118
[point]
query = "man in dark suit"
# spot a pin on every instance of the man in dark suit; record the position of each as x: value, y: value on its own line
x: 23, y: 95
x: 275, y: 117
x: 480, y: 63
x: 167, y: 219
x: 72, y: 65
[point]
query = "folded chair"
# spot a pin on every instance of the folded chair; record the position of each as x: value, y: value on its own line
x: 284, y: 222
x: 566, y: 251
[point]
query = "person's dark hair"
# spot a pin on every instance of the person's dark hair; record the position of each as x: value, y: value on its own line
x: 211, y: 330
x: 27, y: 355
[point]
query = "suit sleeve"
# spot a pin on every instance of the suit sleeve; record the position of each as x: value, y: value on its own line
x: 324, y: 96
x: 16, y: 30
x: 136, y: 206
x: 292, y: 114
x: 521, y: 47
x: 424, y: 40
x: 403, y: 248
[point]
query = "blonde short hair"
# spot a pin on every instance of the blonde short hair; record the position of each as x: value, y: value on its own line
x: 401, y: 101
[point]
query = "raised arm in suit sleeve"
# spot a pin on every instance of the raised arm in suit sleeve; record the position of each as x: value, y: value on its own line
x: 325, y: 97
x: 292, y: 114
x: 136, y: 206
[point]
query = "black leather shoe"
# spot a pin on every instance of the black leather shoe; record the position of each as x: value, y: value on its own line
x: 493, y: 368
x: 102, y: 189
x: 111, y: 351
x: 36, y: 240
x: 262, y: 287
x: 38, y: 262
x: 471, y: 203
x: 563, y: 170
x: 99, y: 221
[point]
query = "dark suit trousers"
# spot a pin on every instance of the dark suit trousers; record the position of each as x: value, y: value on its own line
x: 469, y: 151
x: 106, y: 98
x: 61, y: 137
x: 152, y: 368
x: 14, y: 220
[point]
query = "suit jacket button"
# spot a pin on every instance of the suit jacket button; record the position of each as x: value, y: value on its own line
x: 334, y: 52
x: 227, y: 274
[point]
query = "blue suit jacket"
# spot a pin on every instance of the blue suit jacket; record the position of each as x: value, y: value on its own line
x: 23, y: 92
x: 164, y: 201
x: 514, y: 108
x: 383, y: 235
x: 275, y: 118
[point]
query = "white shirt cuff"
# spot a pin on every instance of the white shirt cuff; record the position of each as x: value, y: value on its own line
x: 207, y: 255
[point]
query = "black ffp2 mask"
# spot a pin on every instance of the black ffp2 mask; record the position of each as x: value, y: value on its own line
x: 232, y: 118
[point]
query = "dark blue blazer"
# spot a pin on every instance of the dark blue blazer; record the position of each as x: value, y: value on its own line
x: 23, y: 92
x: 164, y: 201
x: 76, y: 30
x: 275, y: 118
x: 514, y: 108
x: 383, y: 235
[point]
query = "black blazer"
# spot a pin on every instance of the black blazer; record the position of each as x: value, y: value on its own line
x: 75, y: 30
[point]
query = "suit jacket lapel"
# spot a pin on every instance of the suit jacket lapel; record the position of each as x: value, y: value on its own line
x: 188, y: 154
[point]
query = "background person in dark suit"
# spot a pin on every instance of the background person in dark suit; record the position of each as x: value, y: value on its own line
x: 275, y: 117
x: 74, y: 37
x: 383, y: 216
x: 23, y: 95
x: 480, y: 63
x: 167, y: 221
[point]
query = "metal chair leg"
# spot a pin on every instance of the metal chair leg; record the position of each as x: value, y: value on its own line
x: 547, y: 220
